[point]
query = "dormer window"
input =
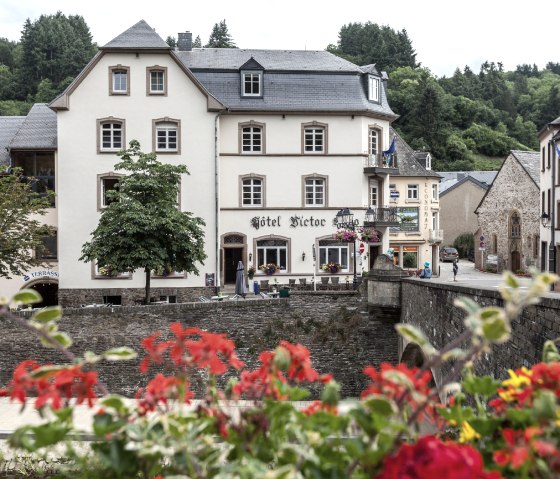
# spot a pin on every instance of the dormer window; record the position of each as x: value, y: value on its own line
x: 374, y: 84
x: 251, y: 83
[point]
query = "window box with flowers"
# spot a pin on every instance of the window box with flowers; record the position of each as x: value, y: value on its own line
x: 345, y: 236
x: 331, y: 267
x: 369, y: 235
x: 268, y: 269
x: 108, y: 272
x: 165, y: 272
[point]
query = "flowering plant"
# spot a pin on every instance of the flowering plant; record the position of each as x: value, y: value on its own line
x: 107, y: 271
x: 331, y: 267
x: 345, y: 236
x: 251, y: 272
x: 369, y: 235
x: 269, y: 269
x: 488, y: 429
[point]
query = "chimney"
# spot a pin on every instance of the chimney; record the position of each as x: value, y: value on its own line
x: 184, y: 42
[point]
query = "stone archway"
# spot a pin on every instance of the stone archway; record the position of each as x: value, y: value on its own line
x: 414, y: 357
x: 47, y: 288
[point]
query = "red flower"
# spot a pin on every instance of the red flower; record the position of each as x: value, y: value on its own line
x: 396, y: 382
x: 318, y: 406
x: 55, y: 387
x: 521, y: 446
x: 160, y: 390
x: 430, y: 458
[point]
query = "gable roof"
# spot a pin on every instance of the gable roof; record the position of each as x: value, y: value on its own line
x: 407, y: 163
x: 9, y: 125
x: 251, y: 64
x: 529, y: 160
x: 451, y: 178
x: 138, y: 37
x: 447, y: 187
x: 38, y: 130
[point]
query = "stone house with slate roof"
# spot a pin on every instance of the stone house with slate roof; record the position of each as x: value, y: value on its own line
x: 549, y: 139
x: 276, y: 142
x: 509, y: 214
x: 414, y: 192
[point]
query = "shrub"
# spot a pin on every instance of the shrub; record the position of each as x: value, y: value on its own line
x: 464, y: 244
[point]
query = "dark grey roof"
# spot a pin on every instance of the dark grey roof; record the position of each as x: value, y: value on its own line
x: 530, y: 160
x: 271, y: 60
x: 38, y: 130
x: 451, y: 178
x: 139, y: 36
x: 9, y: 125
x: 450, y: 185
x: 370, y: 69
x: 406, y: 159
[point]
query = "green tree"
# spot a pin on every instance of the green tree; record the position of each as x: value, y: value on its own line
x: 22, y: 232
x: 171, y: 41
x: 53, y: 47
x: 220, y: 37
x: 367, y: 43
x: 45, y: 91
x: 142, y: 227
x: 197, y: 42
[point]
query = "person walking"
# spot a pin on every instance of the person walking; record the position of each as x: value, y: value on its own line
x: 455, y: 269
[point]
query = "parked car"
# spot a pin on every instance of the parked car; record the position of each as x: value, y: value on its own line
x: 448, y: 254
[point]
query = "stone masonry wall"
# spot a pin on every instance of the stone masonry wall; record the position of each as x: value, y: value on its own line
x: 512, y: 190
x: 430, y: 307
x: 335, y: 326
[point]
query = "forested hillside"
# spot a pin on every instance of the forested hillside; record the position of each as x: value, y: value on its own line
x: 468, y: 121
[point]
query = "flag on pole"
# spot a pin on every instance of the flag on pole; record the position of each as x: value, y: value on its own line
x: 391, y: 149
x: 557, y: 149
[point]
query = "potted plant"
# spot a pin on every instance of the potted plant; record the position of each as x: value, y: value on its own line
x: 251, y: 272
x: 345, y: 236
x: 331, y: 267
x: 108, y: 271
x: 369, y: 236
x: 269, y: 269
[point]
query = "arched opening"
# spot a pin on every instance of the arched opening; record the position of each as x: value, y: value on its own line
x: 48, y: 289
x: 414, y: 357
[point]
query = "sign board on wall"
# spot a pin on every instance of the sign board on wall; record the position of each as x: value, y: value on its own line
x: 40, y: 274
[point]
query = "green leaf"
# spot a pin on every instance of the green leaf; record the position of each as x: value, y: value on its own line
x: 105, y: 423
x: 496, y: 330
x: 60, y: 338
x: 545, y: 405
x: 550, y: 352
x: 44, y: 371
x: 331, y: 393
x: 510, y: 280
x: 520, y: 417
x: 486, y: 386
x: 114, y: 402
x: 27, y: 296
x: 380, y: 404
x: 467, y: 305
x: 50, y: 313
x: 122, y: 353
x: 91, y: 357
x: 415, y: 335
x: 397, y: 377
x: 485, y: 426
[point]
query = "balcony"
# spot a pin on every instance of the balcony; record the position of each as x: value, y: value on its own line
x: 380, y: 165
x: 435, y: 236
x: 381, y: 217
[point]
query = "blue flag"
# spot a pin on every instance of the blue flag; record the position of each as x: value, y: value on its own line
x: 391, y: 149
x: 557, y: 149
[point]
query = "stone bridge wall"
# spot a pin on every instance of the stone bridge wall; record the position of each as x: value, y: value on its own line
x: 335, y: 326
x: 429, y: 306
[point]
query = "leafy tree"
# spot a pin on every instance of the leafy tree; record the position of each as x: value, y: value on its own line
x: 22, y: 232
x: 45, y: 91
x: 369, y: 43
x: 53, y: 47
x: 220, y: 37
x: 171, y: 41
x: 142, y: 227
x: 197, y: 42
x: 464, y: 244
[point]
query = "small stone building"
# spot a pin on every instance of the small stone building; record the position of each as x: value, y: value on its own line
x: 509, y: 214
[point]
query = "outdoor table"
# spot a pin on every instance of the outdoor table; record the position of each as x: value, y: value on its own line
x: 219, y: 298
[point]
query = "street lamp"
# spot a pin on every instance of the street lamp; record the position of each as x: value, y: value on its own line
x: 545, y: 220
x: 344, y: 219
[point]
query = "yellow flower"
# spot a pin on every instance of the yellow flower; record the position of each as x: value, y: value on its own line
x: 518, y: 380
x: 467, y: 433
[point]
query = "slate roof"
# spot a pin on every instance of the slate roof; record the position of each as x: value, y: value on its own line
x: 406, y: 159
x: 451, y: 178
x: 139, y: 36
x: 38, y: 130
x: 530, y: 160
x: 293, y: 81
x: 9, y: 125
x: 271, y: 60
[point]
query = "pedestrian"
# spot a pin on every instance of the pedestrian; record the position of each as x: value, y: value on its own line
x: 455, y: 269
x: 426, y: 273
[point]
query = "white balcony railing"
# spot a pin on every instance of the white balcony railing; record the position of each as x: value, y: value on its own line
x: 380, y: 161
x: 435, y: 236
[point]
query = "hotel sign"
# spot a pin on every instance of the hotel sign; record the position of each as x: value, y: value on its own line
x: 293, y: 222
x: 40, y: 274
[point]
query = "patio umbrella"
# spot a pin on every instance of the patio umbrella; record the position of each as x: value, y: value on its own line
x: 240, y: 287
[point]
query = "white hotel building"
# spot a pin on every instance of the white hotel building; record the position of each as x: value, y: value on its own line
x: 276, y: 143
